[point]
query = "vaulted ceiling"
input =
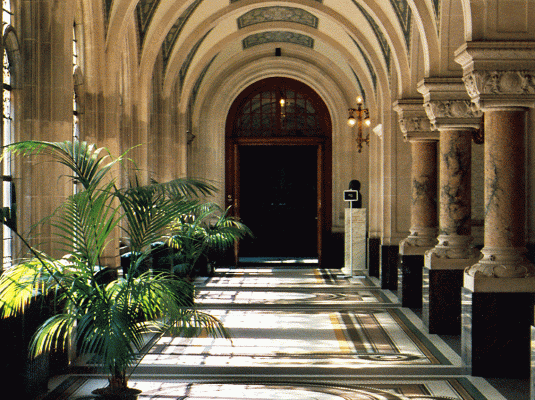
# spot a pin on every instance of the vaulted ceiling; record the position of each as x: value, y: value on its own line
x: 365, y: 41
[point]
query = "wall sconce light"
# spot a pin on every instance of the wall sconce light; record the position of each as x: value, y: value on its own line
x: 357, y: 116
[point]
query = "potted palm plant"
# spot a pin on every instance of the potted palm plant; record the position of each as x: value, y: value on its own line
x: 109, y: 318
x: 201, y: 237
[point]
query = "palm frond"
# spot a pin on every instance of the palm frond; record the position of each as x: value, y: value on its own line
x: 88, y: 164
x: 24, y: 283
x: 54, y: 333
x: 148, y: 213
x: 84, y: 224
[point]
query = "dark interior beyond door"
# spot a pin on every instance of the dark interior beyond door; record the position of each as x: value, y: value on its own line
x: 278, y: 200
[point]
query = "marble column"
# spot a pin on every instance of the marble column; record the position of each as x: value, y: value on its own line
x: 450, y: 111
x: 416, y: 129
x: 498, y: 292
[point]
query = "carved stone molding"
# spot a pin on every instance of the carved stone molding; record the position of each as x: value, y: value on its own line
x: 454, y: 247
x: 499, y: 74
x: 501, y: 263
x: 448, y: 105
x: 413, y: 120
x: 501, y: 88
x: 421, y: 237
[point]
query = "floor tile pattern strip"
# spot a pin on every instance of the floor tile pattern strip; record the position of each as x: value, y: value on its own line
x: 263, y: 338
x: 80, y: 388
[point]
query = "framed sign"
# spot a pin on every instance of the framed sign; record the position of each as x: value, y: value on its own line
x: 351, y: 195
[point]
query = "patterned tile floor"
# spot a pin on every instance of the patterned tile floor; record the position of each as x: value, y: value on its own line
x: 297, y: 333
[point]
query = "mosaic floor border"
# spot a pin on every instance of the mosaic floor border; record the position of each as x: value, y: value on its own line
x: 445, y: 388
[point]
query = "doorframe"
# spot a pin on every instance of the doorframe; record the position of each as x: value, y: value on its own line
x: 323, y: 176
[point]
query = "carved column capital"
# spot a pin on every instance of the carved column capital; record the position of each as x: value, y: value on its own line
x: 499, y: 74
x: 413, y: 121
x: 448, y: 104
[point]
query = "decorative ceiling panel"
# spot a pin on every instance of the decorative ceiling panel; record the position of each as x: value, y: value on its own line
x: 436, y: 3
x: 385, y: 47
x: 235, y: 1
x: 175, y: 30
x: 107, y: 9
x: 361, y: 89
x: 403, y: 11
x: 280, y: 14
x: 368, y: 64
x: 197, y: 85
x: 187, y: 62
x: 272, y: 37
x: 145, y: 10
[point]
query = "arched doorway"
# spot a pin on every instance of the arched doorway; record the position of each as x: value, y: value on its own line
x: 278, y: 168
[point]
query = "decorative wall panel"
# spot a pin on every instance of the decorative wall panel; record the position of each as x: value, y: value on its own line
x: 281, y: 14
x: 278, y: 36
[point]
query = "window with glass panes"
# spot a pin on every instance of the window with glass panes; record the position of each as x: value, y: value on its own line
x: 7, y: 138
x: 75, y: 121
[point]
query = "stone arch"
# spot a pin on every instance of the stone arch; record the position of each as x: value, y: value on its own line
x: 219, y: 95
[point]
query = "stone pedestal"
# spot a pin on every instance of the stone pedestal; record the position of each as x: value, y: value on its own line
x: 496, y: 333
x: 374, y: 256
x: 389, y: 267
x: 532, y: 373
x: 410, y: 280
x: 355, y: 241
x: 441, y: 293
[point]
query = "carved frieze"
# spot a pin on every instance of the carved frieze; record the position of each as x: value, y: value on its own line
x: 413, y: 120
x: 512, y: 87
x: 448, y: 104
x: 499, y: 74
x: 453, y: 113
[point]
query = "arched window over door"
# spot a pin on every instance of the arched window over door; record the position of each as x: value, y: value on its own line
x: 278, y: 170
x: 279, y: 107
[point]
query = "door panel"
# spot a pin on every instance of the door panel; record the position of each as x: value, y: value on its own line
x: 278, y: 198
x: 277, y: 116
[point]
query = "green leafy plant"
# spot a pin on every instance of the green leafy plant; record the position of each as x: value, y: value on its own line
x: 105, y: 314
x: 203, y: 236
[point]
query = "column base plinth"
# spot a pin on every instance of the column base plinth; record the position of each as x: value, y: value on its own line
x: 374, y: 255
x: 411, y: 264
x: 441, y: 293
x: 495, y: 339
x: 389, y: 267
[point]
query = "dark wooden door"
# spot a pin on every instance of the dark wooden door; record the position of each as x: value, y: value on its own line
x: 278, y: 196
x: 278, y: 169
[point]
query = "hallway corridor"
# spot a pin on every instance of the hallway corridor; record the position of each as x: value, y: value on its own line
x: 298, y: 333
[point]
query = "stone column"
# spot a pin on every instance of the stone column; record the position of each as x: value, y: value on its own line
x: 416, y: 129
x: 498, y: 292
x: 450, y: 111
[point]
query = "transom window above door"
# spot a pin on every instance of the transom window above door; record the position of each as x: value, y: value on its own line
x: 279, y: 111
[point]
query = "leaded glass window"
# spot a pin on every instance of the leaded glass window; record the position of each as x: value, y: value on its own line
x: 274, y: 113
x: 6, y: 13
x: 8, y: 192
x: 75, y: 62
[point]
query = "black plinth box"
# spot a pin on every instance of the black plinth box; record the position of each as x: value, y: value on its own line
x: 496, y: 333
x: 410, y: 280
x: 389, y: 267
x: 374, y: 256
x: 532, y: 381
x: 441, y: 300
